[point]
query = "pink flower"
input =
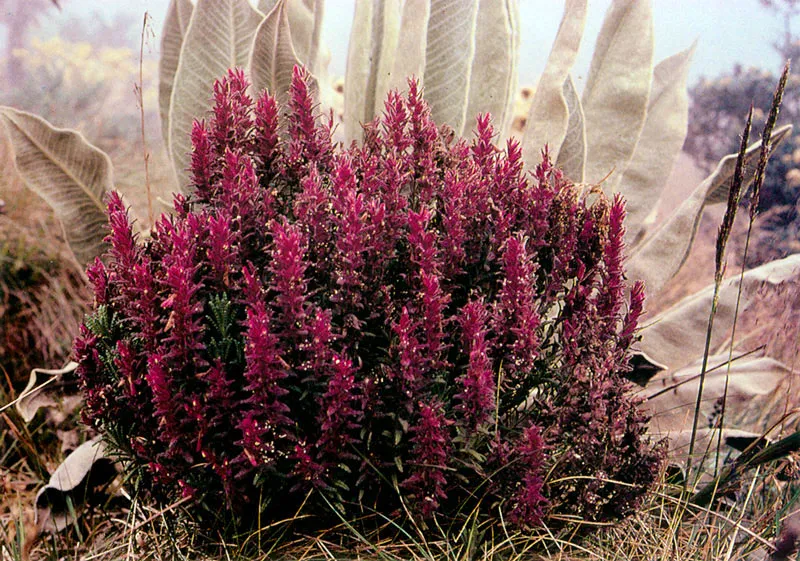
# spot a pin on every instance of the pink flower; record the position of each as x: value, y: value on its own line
x: 417, y: 322
x: 429, y: 458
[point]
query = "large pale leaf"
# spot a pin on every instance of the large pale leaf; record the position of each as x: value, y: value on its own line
x: 370, y: 60
x: 70, y: 174
x: 705, y: 446
x: 302, y: 20
x: 387, y: 25
x: 671, y: 398
x: 676, y: 337
x: 449, y: 53
x: 358, y: 69
x: 175, y: 24
x: 273, y: 56
x: 617, y: 89
x: 409, y: 60
x: 317, y: 13
x: 549, y: 115
x: 572, y: 155
x: 660, y: 142
x: 218, y: 38
x: 516, y: 37
x: 265, y: 6
x: 722, y: 186
x: 664, y: 251
x: 493, y: 81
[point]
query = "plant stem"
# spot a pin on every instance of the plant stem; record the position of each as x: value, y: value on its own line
x: 140, y: 100
x: 706, y: 495
x: 719, y: 272
x: 758, y: 181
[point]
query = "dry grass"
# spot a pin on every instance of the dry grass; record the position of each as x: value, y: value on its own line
x: 664, y: 528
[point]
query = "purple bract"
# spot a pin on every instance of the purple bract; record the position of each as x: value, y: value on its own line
x: 417, y: 317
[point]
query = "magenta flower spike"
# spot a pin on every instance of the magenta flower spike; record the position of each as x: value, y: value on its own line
x: 416, y: 325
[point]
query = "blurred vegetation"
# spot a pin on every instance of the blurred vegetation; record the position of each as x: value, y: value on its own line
x: 80, y: 85
x: 718, y: 107
x: 19, y: 18
x: 43, y: 295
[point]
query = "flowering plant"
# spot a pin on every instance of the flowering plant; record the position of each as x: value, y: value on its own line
x: 414, y: 321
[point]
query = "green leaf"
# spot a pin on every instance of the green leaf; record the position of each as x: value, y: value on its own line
x: 660, y: 142
x: 549, y: 115
x: 219, y: 37
x: 617, y: 89
x: 477, y: 456
x: 69, y: 173
x: 222, y: 341
x: 572, y: 155
x: 370, y: 59
x: 222, y: 316
x: 101, y: 322
x: 175, y: 24
x: 676, y: 337
x: 449, y: 53
x: 658, y: 257
x: 493, y: 81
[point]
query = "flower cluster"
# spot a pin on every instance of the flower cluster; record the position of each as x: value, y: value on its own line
x: 416, y: 321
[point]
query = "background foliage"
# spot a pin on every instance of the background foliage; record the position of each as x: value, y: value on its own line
x: 718, y: 106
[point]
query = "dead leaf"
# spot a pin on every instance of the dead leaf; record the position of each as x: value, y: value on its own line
x: 46, y: 389
x: 77, y: 482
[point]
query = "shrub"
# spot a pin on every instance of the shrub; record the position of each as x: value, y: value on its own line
x: 413, y: 318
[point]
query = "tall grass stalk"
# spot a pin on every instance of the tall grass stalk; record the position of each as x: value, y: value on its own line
x: 719, y: 272
x: 753, y: 210
x: 706, y: 495
x: 138, y: 91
